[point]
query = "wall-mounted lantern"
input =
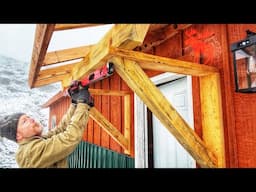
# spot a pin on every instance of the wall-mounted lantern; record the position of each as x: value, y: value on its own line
x: 244, y: 60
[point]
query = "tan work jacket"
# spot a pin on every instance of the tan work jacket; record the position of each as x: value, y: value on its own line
x: 51, y: 150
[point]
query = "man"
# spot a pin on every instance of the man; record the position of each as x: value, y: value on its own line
x: 50, y: 150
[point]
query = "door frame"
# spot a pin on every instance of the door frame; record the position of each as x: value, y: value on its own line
x: 141, y: 122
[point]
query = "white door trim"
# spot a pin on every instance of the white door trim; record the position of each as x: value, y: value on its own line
x: 140, y: 118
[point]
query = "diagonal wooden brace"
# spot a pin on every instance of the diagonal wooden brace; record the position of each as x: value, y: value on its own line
x: 139, y: 82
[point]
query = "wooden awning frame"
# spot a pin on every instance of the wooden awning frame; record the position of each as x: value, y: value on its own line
x: 117, y: 46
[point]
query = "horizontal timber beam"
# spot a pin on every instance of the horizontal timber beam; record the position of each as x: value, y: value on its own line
x: 65, y: 69
x: 126, y: 36
x: 59, y: 27
x: 156, y: 37
x: 50, y: 80
x: 108, y: 92
x: 66, y: 55
x: 157, y: 63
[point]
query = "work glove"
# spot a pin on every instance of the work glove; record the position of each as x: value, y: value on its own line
x: 73, y: 91
x: 84, y: 96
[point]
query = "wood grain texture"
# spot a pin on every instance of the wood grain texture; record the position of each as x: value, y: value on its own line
x: 66, y: 55
x: 152, y: 62
x: 138, y: 81
x: 126, y: 36
x: 42, y: 39
x: 59, y: 27
x: 212, y: 120
x: 108, y: 127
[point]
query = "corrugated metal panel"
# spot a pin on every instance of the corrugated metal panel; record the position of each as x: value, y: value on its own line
x: 88, y: 155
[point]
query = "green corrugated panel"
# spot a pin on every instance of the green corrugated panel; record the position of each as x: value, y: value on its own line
x: 84, y: 155
x: 79, y: 156
x: 95, y: 155
x: 115, y: 160
x: 91, y: 155
x: 99, y: 157
x: 122, y: 160
x: 75, y: 159
x: 71, y: 157
x: 88, y: 155
x: 103, y: 158
x: 82, y: 164
x: 109, y: 159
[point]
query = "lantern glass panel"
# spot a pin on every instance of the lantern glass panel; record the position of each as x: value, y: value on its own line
x: 246, y: 67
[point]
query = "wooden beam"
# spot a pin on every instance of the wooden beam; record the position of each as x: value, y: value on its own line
x: 127, y: 122
x: 59, y: 27
x: 108, y: 127
x: 108, y: 92
x: 158, y: 36
x: 138, y: 81
x: 53, y: 72
x: 212, y: 121
x: 155, y: 27
x: 43, y: 36
x: 52, y: 79
x: 157, y: 63
x: 66, y: 55
x: 126, y: 36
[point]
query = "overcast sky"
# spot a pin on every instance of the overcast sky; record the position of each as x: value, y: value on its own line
x: 17, y: 40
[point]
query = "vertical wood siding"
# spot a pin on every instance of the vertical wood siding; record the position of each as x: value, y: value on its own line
x: 238, y: 109
x: 244, y: 109
x: 110, y: 106
x: 58, y: 109
x: 218, y: 42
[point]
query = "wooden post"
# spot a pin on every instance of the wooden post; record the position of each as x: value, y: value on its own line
x: 127, y: 122
x: 212, y: 121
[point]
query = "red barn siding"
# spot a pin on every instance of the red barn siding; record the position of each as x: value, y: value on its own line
x: 105, y: 109
x: 244, y: 110
x: 115, y: 111
x: 215, y: 38
x: 96, y: 128
x: 58, y: 109
x: 238, y: 110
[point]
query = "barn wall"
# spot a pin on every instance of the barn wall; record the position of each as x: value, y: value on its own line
x: 208, y: 44
x: 58, y: 109
x: 112, y: 108
x: 244, y: 110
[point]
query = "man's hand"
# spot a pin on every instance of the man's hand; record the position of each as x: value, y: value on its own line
x: 80, y: 93
x: 84, y: 96
x: 73, y: 91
